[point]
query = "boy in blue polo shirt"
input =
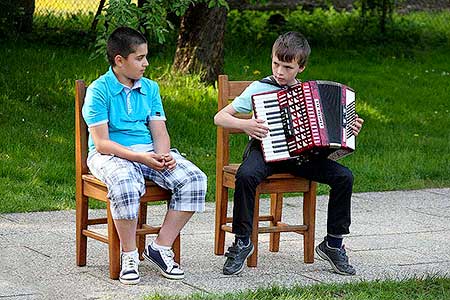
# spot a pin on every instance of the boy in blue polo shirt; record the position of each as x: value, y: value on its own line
x: 128, y: 143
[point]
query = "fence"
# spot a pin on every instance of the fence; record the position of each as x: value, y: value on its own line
x: 64, y: 7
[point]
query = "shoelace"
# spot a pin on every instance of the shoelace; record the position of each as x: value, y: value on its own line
x: 343, y: 255
x: 128, y: 262
x: 232, y: 251
x: 167, y: 256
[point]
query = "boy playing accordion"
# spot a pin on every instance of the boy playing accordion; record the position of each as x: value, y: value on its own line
x: 290, y: 53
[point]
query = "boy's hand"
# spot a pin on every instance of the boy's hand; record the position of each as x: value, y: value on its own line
x: 255, y: 128
x: 357, y: 126
x: 153, y: 160
x: 169, y: 162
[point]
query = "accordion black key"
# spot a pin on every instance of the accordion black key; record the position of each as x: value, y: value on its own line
x: 312, y: 118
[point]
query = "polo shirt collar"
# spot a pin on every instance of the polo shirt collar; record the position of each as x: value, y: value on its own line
x: 117, y: 86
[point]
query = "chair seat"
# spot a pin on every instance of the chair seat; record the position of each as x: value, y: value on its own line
x: 276, y: 183
x: 95, y: 188
x: 232, y: 169
x: 92, y: 179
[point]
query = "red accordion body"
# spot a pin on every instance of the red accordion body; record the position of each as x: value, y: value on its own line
x: 309, y: 118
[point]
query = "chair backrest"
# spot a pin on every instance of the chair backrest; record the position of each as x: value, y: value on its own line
x: 81, y: 132
x: 228, y: 90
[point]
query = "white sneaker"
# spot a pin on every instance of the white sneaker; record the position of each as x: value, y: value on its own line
x: 163, y: 260
x: 129, y: 273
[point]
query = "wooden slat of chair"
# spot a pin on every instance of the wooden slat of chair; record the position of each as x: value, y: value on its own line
x: 275, y: 185
x: 89, y: 187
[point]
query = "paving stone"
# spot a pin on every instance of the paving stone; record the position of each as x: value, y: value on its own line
x: 394, y: 235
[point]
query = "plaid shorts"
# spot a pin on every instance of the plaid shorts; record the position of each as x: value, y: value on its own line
x: 126, y: 183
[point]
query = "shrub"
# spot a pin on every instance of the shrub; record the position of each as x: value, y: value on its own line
x: 10, y: 13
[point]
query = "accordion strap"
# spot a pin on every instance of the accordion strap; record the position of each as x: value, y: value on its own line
x: 270, y: 80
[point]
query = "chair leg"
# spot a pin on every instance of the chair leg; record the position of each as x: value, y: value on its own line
x: 252, y: 261
x: 114, y: 246
x: 81, y: 224
x: 176, y: 247
x: 140, y: 239
x: 221, y: 217
x: 309, y: 219
x: 276, y: 208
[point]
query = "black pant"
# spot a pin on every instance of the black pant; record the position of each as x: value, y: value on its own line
x: 254, y: 169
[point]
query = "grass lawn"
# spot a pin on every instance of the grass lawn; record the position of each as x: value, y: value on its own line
x: 412, y: 289
x: 401, y: 93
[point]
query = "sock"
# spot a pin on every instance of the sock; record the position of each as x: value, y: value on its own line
x: 130, y: 252
x: 134, y: 253
x: 245, y: 239
x: 334, y: 241
x: 155, y: 246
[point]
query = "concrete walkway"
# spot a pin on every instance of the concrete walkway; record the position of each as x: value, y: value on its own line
x: 395, y: 235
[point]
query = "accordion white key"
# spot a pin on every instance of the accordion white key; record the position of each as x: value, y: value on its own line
x: 312, y: 118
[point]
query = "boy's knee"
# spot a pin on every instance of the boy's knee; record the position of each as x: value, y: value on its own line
x: 196, y: 175
x: 193, y: 180
x: 201, y: 176
x: 126, y: 188
x: 200, y: 180
x: 346, y: 176
x: 246, y: 176
x: 125, y: 198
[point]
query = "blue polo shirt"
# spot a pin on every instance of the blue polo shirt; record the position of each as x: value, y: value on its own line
x: 126, y: 110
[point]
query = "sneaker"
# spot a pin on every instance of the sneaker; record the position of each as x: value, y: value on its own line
x: 129, y: 273
x: 163, y: 260
x: 336, y: 257
x: 236, y: 256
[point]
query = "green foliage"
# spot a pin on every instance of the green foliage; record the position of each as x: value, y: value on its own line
x: 10, y: 13
x: 344, y: 29
x: 150, y: 19
x: 72, y: 30
x: 117, y: 13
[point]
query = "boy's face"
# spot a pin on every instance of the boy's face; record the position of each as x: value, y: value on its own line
x: 285, y: 72
x: 133, y: 67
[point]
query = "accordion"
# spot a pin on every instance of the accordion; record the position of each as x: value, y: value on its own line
x: 312, y: 118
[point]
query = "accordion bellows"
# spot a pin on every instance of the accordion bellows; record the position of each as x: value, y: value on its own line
x: 312, y: 118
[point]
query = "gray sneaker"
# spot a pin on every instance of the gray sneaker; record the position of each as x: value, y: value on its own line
x: 236, y: 256
x: 336, y: 257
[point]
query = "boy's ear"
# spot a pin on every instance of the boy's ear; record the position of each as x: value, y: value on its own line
x: 118, y: 59
x: 302, y: 69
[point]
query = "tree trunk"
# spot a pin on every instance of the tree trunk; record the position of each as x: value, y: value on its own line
x: 26, y: 20
x: 200, y: 42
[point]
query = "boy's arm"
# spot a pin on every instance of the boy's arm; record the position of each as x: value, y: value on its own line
x: 160, y: 136
x: 161, y: 142
x: 255, y: 128
x: 104, y: 145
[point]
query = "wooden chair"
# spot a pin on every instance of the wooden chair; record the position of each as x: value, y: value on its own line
x: 274, y: 185
x: 87, y: 186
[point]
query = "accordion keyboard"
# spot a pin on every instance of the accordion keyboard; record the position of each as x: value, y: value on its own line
x: 274, y: 144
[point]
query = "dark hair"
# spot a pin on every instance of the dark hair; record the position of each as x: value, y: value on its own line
x: 292, y: 46
x: 123, y: 41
